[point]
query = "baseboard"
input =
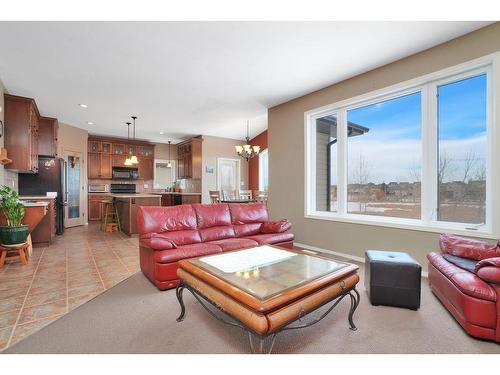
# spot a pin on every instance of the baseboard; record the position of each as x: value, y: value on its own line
x: 343, y: 255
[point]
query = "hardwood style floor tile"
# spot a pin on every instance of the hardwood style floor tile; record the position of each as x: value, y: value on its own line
x: 78, y: 266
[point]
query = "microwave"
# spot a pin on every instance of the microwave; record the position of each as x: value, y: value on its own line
x: 98, y: 188
x: 124, y: 173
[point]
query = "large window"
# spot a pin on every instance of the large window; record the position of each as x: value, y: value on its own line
x: 417, y: 155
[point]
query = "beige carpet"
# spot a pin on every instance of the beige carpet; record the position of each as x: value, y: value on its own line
x: 134, y: 317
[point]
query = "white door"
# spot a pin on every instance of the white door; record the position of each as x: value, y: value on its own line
x: 228, y: 176
x: 74, y: 209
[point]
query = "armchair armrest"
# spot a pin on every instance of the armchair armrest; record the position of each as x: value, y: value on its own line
x: 278, y: 226
x: 489, y: 270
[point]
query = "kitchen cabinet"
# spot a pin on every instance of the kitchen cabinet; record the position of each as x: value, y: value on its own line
x: 95, y: 206
x: 21, y: 133
x: 189, y: 159
x: 175, y: 199
x: 45, y: 232
x: 99, y: 165
x: 146, y: 168
x: 47, y: 136
x: 106, y: 153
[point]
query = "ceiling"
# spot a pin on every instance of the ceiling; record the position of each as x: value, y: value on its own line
x: 190, y: 78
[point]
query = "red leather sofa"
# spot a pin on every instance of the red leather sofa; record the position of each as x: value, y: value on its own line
x: 471, y: 296
x: 169, y: 234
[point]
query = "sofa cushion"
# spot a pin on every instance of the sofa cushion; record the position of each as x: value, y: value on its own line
x: 464, y: 263
x: 489, y: 270
x: 278, y: 226
x: 467, y: 282
x: 244, y: 213
x: 272, y: 238
x: 467, y: 248
x: 212, y: 215
x: 161, y: 219
x: 235, y: 243
x: 217, y: 233
x: 187, y: 251
x: 243, y: 230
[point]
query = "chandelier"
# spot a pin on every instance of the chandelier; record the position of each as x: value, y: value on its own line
x: 247, y: 151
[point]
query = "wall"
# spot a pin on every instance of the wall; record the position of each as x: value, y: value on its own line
x: 72, y: 139
x: 253, y: 164
x: 286, y: 150
x: 212, y: 148
x: 6, y: 177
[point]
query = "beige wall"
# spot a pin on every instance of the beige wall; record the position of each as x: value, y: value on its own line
x: 213, y: 148
x: 73, y: 139
x: 6, y: 177
x: 286, y: 150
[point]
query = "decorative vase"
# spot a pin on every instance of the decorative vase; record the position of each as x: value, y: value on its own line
x: 13, y: 235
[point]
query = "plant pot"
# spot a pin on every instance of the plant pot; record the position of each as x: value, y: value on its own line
x: 13, y: 235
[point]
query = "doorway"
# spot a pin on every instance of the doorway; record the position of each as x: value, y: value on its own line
x: 75, y: 189
x: 228, y: 176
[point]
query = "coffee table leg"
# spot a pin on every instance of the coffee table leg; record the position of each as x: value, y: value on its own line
x: 178, y: 292
x: 261, y: 348
x: 355, y: 298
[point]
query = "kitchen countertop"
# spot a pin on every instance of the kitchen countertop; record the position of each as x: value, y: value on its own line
x: 175, y: 193
x: 28, y: 197
x: 137, y: 195
x: 34, y: 204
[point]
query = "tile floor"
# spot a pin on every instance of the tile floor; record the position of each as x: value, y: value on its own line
x: 78, y: 266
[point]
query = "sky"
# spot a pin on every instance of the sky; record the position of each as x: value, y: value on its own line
x: 392, y: 148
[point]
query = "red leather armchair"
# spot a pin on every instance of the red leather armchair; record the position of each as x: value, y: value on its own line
x: 471, y: 296
x: 169, y: 234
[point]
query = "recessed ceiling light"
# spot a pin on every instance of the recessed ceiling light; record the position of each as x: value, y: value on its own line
x: 161, y: 133
x: 90, y: 123
x: 83, y: 105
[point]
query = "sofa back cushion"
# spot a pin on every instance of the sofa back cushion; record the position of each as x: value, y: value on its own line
x: 244, y: 213
x: 166, y: 219
x: 467, y: 248
x: 217, y: 233
x: 212, y: 215
x: 178, y: 238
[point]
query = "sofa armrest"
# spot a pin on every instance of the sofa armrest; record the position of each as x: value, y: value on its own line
x: 157, y: 243
x: 278, y: 226
x: 489, y: 270
x: 468, y: 248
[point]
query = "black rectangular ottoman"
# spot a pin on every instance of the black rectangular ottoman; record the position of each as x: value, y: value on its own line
x: 392, y: 279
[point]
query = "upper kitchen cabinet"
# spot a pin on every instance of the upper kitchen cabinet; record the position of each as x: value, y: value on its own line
x: 189, y: 159
x: 21, y: 133
x: 47, y: 136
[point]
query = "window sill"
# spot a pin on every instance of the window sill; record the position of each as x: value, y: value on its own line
x: 407, y: 224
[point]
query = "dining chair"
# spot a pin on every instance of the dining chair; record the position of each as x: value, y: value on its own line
x: 260, y: 196
x: 214, y: 196
x: 246, y: 194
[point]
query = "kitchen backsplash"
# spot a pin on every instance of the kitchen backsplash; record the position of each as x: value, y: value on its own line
x: 187, y: 185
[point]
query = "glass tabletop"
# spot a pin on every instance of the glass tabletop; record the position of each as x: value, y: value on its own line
x: 265, y: 271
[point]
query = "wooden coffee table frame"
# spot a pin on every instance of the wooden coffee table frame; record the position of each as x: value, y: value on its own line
x: 262, y: 346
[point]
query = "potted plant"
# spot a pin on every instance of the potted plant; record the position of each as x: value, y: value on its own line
x: 14, y: 232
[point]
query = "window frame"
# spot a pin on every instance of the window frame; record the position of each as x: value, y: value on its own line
x: 261, y: 173
x: 427, y: 85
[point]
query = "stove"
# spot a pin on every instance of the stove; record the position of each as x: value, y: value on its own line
x: 123, y: 188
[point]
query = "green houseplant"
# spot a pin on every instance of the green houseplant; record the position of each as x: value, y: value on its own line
x: 14, y: 232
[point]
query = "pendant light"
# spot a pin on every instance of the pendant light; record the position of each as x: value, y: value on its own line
x: 128, y: 162
x: 246, y: 151
x: 133, y: 158
x: 169, y: 163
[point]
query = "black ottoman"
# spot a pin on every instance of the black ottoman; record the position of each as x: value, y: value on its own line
x: 392, y: 279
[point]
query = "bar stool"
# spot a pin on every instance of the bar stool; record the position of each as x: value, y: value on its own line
x: 20, y: 248
x: 109, y: 215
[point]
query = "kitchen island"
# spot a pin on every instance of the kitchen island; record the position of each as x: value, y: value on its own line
x: 128, y: 204
x: 171, y: 198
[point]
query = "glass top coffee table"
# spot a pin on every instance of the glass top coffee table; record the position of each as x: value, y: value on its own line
x: 265, y: 289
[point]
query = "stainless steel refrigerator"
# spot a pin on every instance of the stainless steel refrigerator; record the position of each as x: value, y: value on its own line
x: 51, y: 177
